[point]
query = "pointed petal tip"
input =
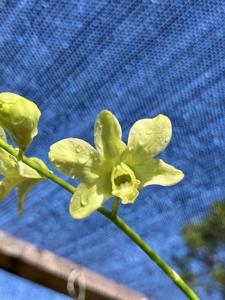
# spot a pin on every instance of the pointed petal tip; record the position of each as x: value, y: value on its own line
x: 105, y: 111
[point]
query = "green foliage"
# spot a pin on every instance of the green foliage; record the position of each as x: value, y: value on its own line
x: 205, y: 242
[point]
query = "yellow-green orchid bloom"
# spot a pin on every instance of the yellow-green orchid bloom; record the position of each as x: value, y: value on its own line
x: 19, y: 117
x: 114, y: 168
x: 17, y: 175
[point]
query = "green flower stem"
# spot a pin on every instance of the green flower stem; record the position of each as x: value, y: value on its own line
x: 115, y: 207
x: 113, y: 218
x: 20, y: 154
x: 138, y: 241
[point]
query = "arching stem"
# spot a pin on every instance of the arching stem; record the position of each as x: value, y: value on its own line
x: 112, y: 216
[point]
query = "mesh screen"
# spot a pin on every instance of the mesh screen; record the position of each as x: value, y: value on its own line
x: 137, y: 59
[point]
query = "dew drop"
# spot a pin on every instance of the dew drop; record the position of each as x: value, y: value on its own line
x: 82, y: 160
x: 140, y: 132
x: 133, y: 131
x: 166, y: 140
x: 78, y: 149
x: 84, y: 201
x: 18, y: 121
x: 92, y: 154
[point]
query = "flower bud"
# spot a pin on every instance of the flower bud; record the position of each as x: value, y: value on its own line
x: 19, y: 117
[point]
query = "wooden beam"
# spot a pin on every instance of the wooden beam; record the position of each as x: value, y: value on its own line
x: 47, y: 269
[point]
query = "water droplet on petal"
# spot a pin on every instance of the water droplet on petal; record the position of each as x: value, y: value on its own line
x: 92, y: 154
x: 133, y: 131
x: 78, y: 149
x: 166, y: 140
x: 140, y: 132
x: 84, y: 201
x: 141, y: 142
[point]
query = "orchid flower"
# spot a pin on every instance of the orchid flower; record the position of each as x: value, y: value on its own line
x: 114, y: 168
x: 17, y: 175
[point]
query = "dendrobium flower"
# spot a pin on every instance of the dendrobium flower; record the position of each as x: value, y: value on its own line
x: 17, y: 175
x: 114, y: 168
x: 19, y: 116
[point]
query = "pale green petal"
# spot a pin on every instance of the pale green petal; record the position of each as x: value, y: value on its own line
x: 18, y: 175
x: 157, y: 172
x: 28, y: 172
x: 147, y: 138
x: 7, y: 161
x: 28, y: 178
x: 124, y: 183
x: 19, y: 116
x: 88, y: 198
x: 8, y: 183
x: 107, y: 134
x: 23, y: 189
x: 76, y: 158
x: 3, y: 135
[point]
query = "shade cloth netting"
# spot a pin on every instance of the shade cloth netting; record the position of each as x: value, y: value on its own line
x: 137, y: 59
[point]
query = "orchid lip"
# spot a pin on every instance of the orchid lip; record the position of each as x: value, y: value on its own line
x: 124, y: 183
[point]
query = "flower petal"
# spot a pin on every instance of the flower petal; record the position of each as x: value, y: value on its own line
x: 157, y: 172
x: 27, y: 172
x: 23, y: 189
x: 8, y: 183
x: 17, y: 175
x: 88, y: 198
x: 3, y: 135
x: 147, y: 138
x: 74, y: 157
x: 107, y: 134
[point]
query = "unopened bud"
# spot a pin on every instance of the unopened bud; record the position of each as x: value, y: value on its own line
x: 19, y: 117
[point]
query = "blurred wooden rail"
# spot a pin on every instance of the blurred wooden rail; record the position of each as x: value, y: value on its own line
x: 47, y: 269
